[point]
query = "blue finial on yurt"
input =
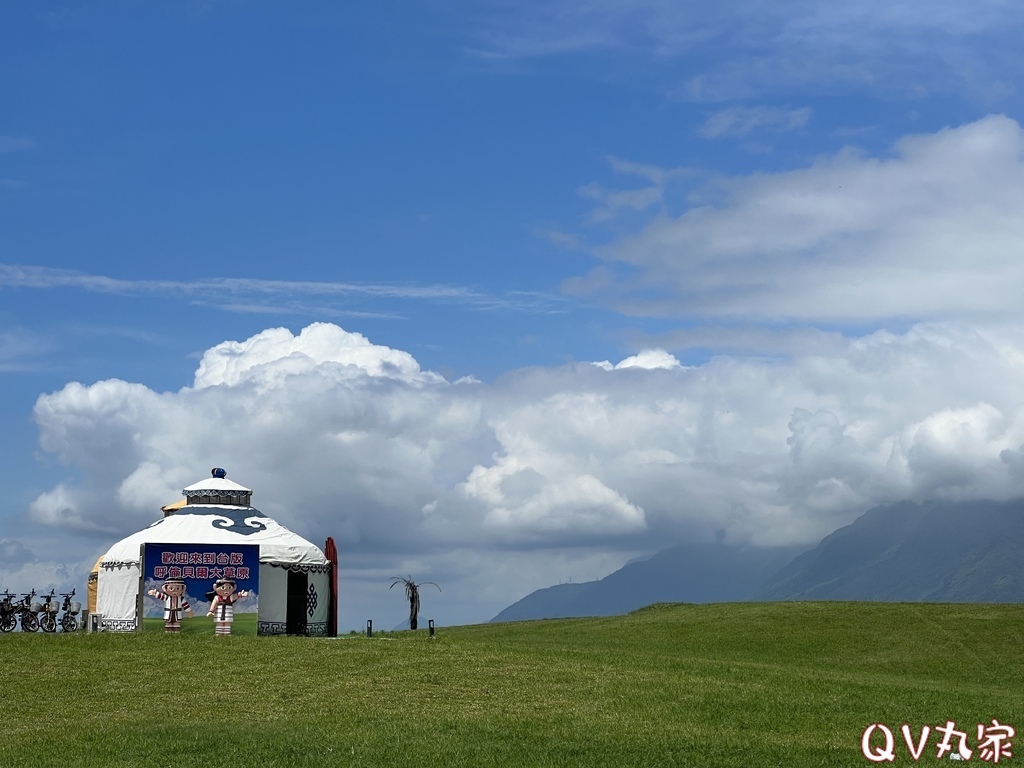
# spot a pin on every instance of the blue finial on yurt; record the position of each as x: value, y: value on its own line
x: 219, y: 472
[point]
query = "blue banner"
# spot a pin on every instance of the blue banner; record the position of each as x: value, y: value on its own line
x: 199, y: 566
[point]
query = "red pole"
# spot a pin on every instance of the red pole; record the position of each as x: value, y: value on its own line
x: 331, y: 552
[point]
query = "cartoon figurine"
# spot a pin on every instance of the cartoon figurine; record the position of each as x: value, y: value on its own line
x: 222, y: 607
x: 173, y: 595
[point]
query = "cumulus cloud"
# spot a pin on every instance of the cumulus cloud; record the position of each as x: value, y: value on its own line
x: 932, y: 231
x: 277, y: 353
x: 14, y: 553
x: 647, y: 358
x: 21, y: 570
x: 409, y: 472
x: 512, y: 494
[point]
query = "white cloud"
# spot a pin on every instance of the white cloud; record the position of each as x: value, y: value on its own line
x: 43, y: 575
x: 612, y: 202
x: 897, y: 47
x: 740, y: 121
x: 14, y: 553
x: 60, y: 569
x: 518, y: 500
x: 410, y: 473
x: 271, y: 356
x: 657, y: 176
x: 19, y: 349
x: 933, y: 231
x: 567, y: 240
x: 648, y: 359
x: 288, y: 294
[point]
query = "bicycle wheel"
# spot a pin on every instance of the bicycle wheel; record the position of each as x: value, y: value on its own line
x: 29, y: 622
x: 48, y: 623
x: 8, y: 623
x: 68, y: 622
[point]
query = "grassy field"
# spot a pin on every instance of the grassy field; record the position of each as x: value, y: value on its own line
x: 243, y: 624
x: 762, y: 685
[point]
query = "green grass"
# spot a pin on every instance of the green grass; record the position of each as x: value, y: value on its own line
x: 762, y: 685
x: 244, y: 624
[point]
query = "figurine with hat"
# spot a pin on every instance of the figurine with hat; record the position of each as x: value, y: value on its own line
x: 173, y: 595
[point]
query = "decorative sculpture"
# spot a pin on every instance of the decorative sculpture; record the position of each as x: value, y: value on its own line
x: 222, y: 606
x: 173, y: 595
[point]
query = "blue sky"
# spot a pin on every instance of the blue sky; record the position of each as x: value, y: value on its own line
x: 792, y: 234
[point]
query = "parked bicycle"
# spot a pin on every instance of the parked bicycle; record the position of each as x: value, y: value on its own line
x: 8, y: 613
x: 26, y: 609
x: 48, y: 613
x: 69, y: 621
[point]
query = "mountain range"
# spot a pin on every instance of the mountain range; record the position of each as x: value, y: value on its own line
x: 936, y: 551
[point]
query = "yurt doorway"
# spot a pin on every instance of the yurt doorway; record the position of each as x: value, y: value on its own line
x: 298, y: 587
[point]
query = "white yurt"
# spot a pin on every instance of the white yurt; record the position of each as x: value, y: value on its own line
x: 295, y: 578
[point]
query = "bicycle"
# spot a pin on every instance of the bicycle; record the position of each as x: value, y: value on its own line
x: 27, y: 610
x: 48, y: 613
x: 69, y: 621
x: 8, y: 613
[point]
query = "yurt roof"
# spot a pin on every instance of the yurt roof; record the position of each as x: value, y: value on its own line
x: 221, y: 524
x: 217, y: 484
x: 187, y: 523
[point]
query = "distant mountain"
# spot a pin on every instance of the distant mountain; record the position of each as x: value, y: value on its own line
x: 688, y: 573
x: 969, y: 552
